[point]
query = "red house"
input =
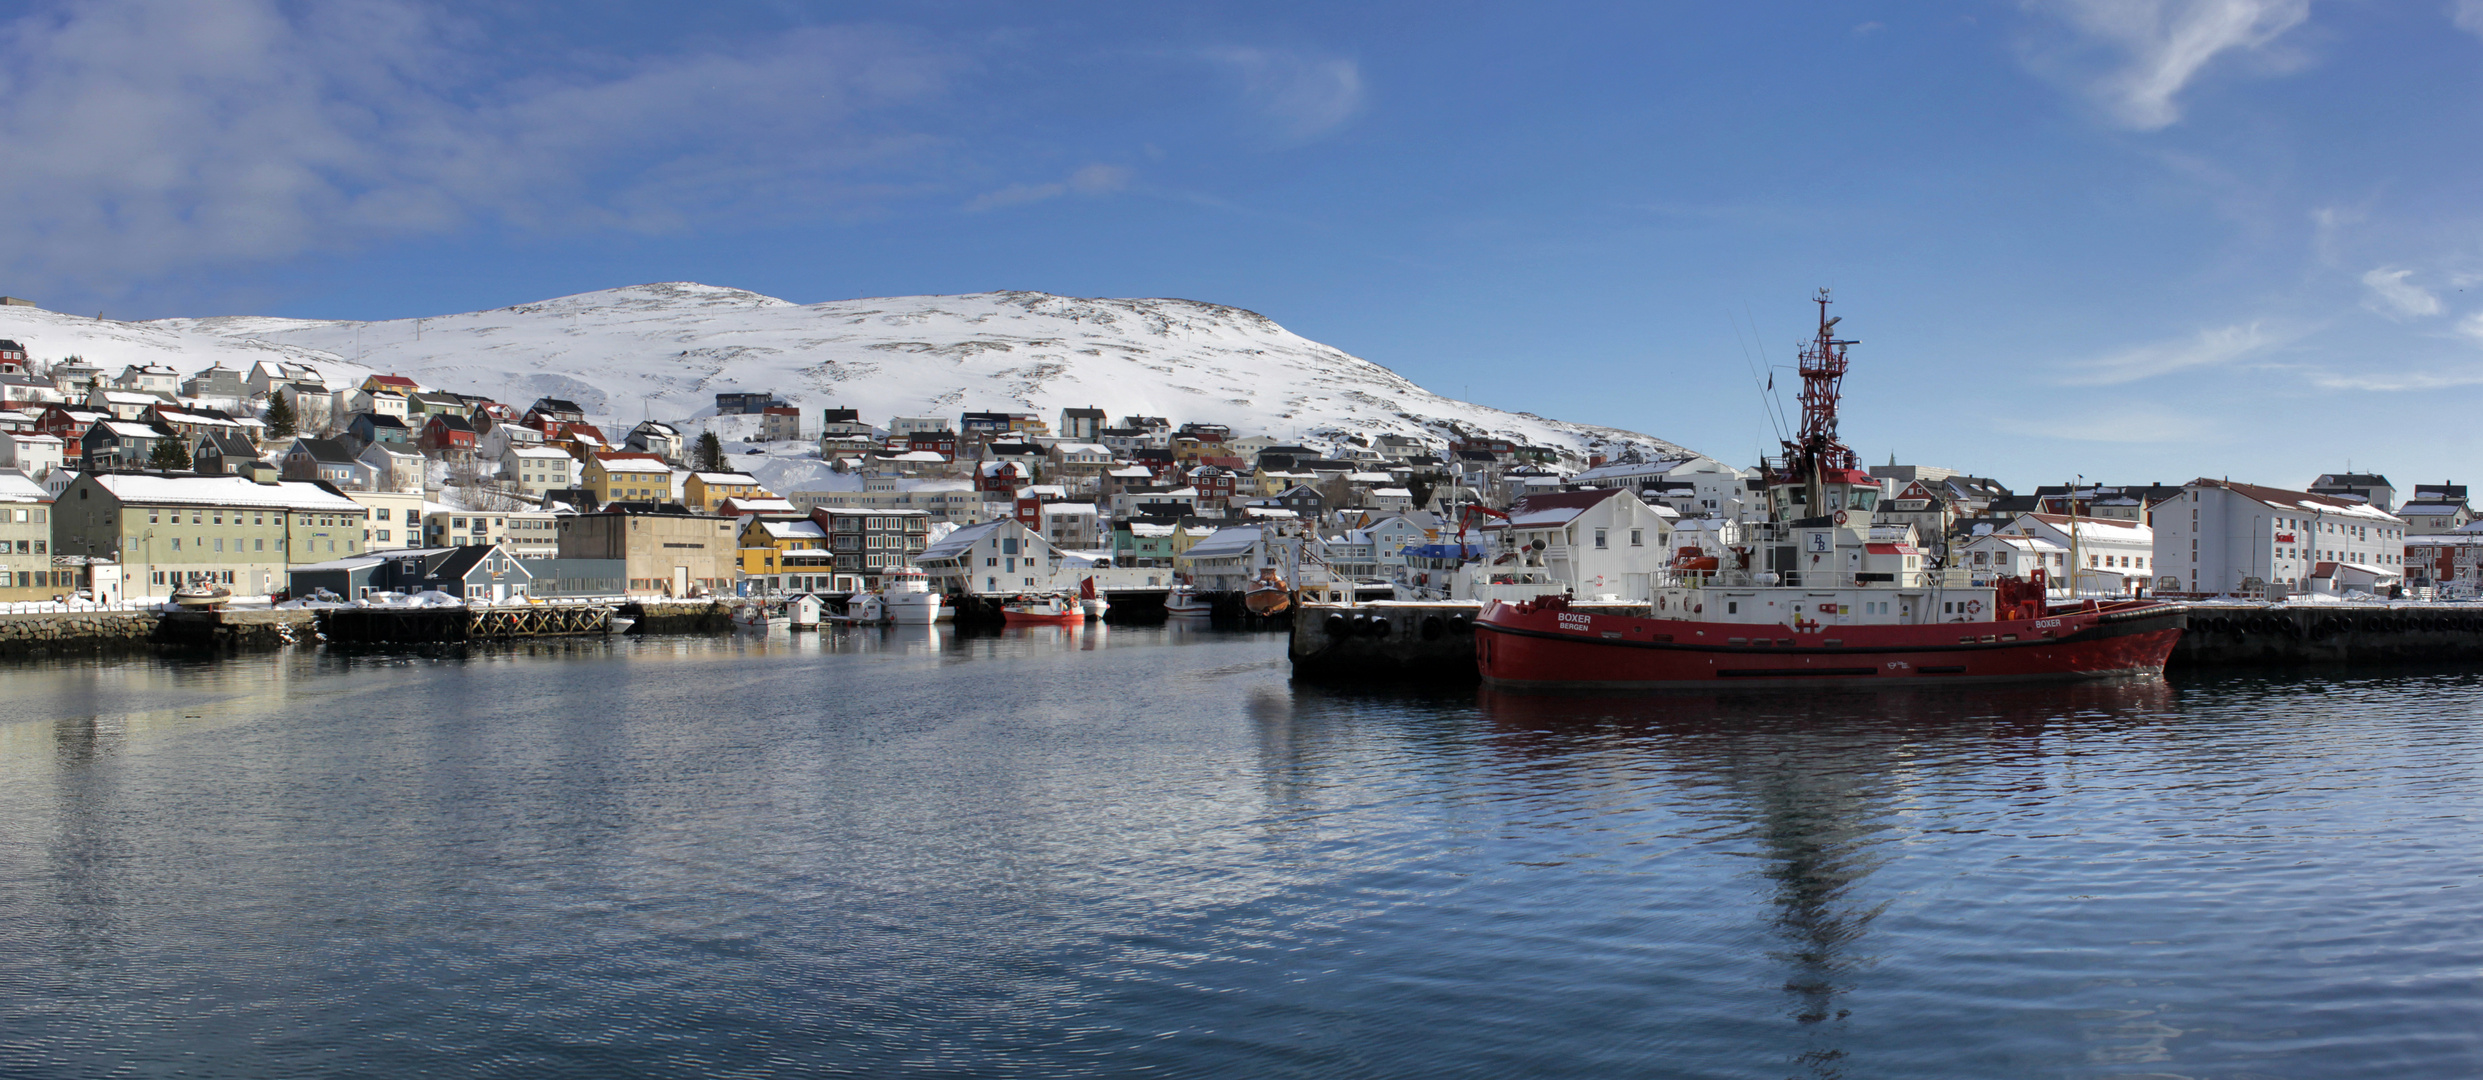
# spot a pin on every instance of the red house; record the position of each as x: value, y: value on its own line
x: 447, y: 435
x: 69, y: 424
x: 943, y: 443
x: 999, y: 478
x: 1213, y: 482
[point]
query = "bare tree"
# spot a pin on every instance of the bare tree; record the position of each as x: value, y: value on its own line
x: 479, y: 491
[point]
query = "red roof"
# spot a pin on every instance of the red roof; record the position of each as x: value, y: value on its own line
x: 393, y: 380
x: 1890, y: 549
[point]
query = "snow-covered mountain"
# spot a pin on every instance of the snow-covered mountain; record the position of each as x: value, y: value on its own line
x: 663, y: 351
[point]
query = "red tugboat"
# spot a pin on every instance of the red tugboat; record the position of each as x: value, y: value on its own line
x: 1817, y: 594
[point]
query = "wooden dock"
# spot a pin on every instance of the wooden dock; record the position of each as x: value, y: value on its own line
x: 502, y: 622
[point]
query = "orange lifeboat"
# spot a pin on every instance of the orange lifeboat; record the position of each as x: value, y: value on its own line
x: 1690, y: 558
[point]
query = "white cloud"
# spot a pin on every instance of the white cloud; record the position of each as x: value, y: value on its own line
x: 148, y: 139
x: 2213, y: 347
x: 2165, y: 44
x: 1304, y: 96
x: 1091, y: 180
x: 2468, y: 15
x: 2391, y: 293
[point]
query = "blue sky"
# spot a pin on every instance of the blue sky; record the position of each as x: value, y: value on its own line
x: 2128, y: 239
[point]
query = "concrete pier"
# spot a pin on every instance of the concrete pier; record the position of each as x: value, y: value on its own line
x: 230, y: 630
x: 76, y: 633
x: 2224, y: 635
x: 1434, y: 641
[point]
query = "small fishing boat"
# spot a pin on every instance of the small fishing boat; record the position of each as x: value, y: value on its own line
x: 1269, y: 595
x: 201, y: 596
x: 759, y: 618
x: 1091, y: 601
x: 1047, y: 608
x: 619, y: 624
x: 1185, y: 600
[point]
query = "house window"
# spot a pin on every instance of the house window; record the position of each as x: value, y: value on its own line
x: 1638, y: 538
x: 1599, y: 538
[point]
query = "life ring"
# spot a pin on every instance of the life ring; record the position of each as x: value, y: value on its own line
x: 1840, y: 517
x: 1974, y: 607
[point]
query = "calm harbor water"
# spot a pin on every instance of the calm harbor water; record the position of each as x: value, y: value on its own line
x: 1135, y: 851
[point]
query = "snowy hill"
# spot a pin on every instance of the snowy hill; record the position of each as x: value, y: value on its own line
x: 663, y: 351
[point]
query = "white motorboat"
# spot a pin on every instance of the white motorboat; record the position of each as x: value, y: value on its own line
x: 1184, y: 600
x: 1091, y: 601
x: 906, y: 593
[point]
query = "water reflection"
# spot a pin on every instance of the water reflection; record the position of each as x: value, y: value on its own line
x: 1819, y: 777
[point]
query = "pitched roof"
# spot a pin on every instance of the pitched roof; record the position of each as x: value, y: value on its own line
x: 2282, y: 499
x: 327, y: 450
x: 1226, y: 543
x: 1552, y: 508
x: 222, y: 491
x: 956, y: 543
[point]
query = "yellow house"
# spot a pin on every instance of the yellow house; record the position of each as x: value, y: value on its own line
x: 771, y: 548
x: 704, y: 491
x: 1186, y: 535
x: 622, y: 477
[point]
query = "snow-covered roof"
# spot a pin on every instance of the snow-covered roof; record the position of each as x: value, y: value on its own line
x: 919, y: 457
x: 794, y: 530
x: 28, y: 438
x: 764, y: 506
x: 2440, y: 508
x: 221, y: 491
x: 14, y: 487
x: 1069, y: 508
x: 1391, y: 493
x: 2303, y: 501
x: 539, y: 452
x: 1553, y: 509
x: 130, y: 431
x: 957, y: 543
x: 2017, y: 541
x: 1225, y: 543
x: 1149, y: 529
x: 1082, y: 448
x: 1269, y: 512
x: 726, y: 478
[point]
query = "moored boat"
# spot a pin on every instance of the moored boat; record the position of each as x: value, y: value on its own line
x: 1182, y: 599
x: 1268, y: 594
x: 1091, y: 602
x: 908, y: 598
x: 1818, y: 593
x: 1045, y: 608
x: 201, y: 595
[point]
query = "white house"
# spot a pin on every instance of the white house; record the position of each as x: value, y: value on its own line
x: 534, y: 470
x: 1600, y: 541
x: 1228, y: 558
x: 30, y: 453
x: 2013, y: 554
x: 2112, y: 556
x: 995, y: 558
x: 2220, y: 537
x: 1076, y: 526
x: 393, y: 469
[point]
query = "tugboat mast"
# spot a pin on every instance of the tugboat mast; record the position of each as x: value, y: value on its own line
x: 1816, y: 449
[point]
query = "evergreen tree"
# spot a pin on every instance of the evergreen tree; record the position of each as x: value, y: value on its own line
x: 280, y: 420
x: 168, y: 456
x: 709, y: 457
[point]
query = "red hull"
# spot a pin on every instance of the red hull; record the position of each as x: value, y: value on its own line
x: 1549, y: 645
x: 1073, y: 618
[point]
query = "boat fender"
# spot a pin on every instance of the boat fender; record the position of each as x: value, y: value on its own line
x: 1433, y: 628
x: 1378, y: 627
x: 1337, y: 625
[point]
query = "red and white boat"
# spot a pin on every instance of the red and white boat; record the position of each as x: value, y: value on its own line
x: 1049, y: 608
x: 1819, y: 594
